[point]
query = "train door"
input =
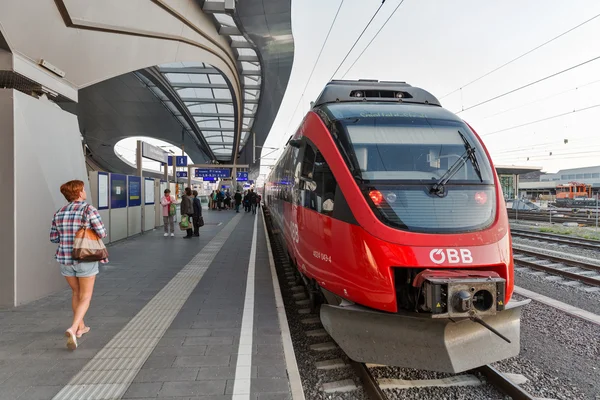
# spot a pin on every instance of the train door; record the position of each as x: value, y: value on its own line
x: 316, y: 193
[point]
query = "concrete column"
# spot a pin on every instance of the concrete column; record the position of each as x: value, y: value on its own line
x: 41, y: 150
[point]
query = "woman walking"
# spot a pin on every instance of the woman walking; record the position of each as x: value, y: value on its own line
x: 80, y: 275
x: 187, y: 208
x: 168, y: 217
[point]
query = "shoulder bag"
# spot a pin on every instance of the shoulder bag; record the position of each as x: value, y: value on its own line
x: 87, y: 245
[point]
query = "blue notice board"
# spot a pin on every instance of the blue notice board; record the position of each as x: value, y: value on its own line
x: 212, y: 173
x: 180, y: 161
x: 242, y: 176
x: 118, y: 191
x: 135, y: 191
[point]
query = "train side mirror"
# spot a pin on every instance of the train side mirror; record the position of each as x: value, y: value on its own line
x: 295, y: 143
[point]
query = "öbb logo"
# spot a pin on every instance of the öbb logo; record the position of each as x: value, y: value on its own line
x: 454, y: 256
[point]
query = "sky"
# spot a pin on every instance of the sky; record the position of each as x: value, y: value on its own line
x: 441, y: 46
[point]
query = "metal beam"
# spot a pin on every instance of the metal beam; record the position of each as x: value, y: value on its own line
x: 248, y: 58
x: 218, y: 101
x: 213, y: 115
x: 241, y: 45
x: 229, y: 30
x: 222, y: 130
x: 210, y: 86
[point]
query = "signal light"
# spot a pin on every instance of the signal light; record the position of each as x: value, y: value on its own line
x: 376, y: 196
x: 480, y: 197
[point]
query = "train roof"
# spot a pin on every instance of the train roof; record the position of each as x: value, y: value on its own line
x: 337, y: 91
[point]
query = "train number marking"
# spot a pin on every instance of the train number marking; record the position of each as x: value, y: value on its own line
x: 454, y: 256
x: 321, y: 256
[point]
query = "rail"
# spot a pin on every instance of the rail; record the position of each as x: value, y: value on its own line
x: 555, y: 271
x: 561, y: 239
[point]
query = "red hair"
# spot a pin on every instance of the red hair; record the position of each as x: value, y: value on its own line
x: 71, y: 190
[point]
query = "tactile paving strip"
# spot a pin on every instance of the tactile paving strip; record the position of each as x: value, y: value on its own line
x: 108, y: 375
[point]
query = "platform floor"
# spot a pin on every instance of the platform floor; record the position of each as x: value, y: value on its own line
x: 170, y: 319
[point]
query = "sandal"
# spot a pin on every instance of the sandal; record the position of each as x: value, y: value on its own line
x: 71, y: 339
x: 82, y: 332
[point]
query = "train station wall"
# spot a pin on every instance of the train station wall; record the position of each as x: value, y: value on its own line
x: 46, y: 152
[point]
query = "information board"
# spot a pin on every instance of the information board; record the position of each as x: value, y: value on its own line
x: 180, y: 161
x: 135, y: 191
x: 153, y: 152
x: 242, y: 176
x: 213, y: 173
x: 181, y: 174
x: 103, y: 193
x: 118, y: 191
x: 209, y: 179
x: 148, y: 191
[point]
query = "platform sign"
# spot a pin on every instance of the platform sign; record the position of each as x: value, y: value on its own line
x: 154, y: 153
x: 181, y: 174
x: 180, y: 161
x: 209, y: 179
x: 118, y: 191
x: 213, y: 173
x: 242, y: 176
x: 135, y: 191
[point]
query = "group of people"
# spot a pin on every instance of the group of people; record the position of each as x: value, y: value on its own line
x: 190, y: 206
x: 221, y: 200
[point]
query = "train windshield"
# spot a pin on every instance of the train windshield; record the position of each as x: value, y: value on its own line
x: 400, y: 159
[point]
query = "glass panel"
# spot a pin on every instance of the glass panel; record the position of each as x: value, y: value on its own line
x: 248, y: 66
x: 222, y: 93
x: 238, y: 38
x: 251, y: 81
x: 172, y: 65
x: 198, y: 78
x: 246, y: 52
x: 227, y: 124
x: 225, y: 108
x: 178, y: 78
x: 208, y: 124
x: 224, y: 19
x: 217, y: 79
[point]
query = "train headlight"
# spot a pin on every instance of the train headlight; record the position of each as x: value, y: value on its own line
x: 376, y: 196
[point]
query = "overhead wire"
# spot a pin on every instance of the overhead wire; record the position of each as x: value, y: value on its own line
x: 529, y: 84
x: 357, y: 40
x: 541, y: 120
x: 373, y: 38
x: 522, y: 55
x: 315, y: 65
x: 542, y: 99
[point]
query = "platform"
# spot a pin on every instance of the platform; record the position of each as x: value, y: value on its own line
x: 170, y: 318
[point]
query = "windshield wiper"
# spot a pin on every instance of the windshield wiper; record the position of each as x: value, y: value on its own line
x: 439, y: 188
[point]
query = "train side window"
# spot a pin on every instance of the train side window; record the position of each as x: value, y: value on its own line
x: 308, y: 162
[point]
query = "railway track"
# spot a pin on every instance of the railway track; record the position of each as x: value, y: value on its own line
x: 587, y: 273
x: 493, y: 376
x: 577, y: 218
x: 560, y: 239
x: 368, y: 386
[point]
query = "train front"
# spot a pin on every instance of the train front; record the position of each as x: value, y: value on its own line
x: 434, y: 277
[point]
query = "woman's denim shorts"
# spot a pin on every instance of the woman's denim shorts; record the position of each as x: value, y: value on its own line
x: 81, y: 270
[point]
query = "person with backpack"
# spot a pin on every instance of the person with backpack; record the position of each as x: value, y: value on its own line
x: 187, y: 209
x: 169, y: 208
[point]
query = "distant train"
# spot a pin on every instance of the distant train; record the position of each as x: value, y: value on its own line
x: 392, y: 212
x: 574, y: 194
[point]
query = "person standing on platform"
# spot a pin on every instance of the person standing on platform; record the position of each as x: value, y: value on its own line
x: 246, y: 201
x: 168, y: 215
x: 79, y: 275
x: 187, y: 208
x: 238, y: 200
x: 197, y: 213
x: 252, y: 198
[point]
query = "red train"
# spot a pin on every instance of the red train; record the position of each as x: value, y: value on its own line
x: 392, y: 212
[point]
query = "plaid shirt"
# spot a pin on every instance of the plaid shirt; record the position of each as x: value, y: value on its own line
x: 66, y: 223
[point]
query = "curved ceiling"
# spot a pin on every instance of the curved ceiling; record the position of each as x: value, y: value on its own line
x: 199, y: 109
